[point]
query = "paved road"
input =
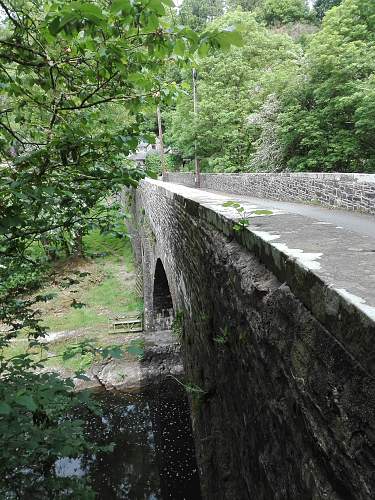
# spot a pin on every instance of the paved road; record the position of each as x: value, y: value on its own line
x: 353, y: 221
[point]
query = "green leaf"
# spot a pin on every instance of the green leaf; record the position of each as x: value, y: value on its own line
x: 152, y: 174
x: 90, y: 10
x: 84, y: 397
x: 179, y: 48
x: 5, y: 409
x: 157, y: 6
x: 54, y: 26
x: 108, y: 448
x: 27, y: 401
x: 68, y: 18
x: 233, y: 36
x: 121, y: 5
x: 152, y: 22
x: 263, y: 212
x: 203, y: 49
x: 12, y: 221
x: 232, y: 203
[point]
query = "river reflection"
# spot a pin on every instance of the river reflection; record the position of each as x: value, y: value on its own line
x: 153, y: 457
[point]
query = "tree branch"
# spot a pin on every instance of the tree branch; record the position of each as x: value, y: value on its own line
x: 99, y: 87
x: 6, y: 10
x: 10, y: 131
x: 102, y: 101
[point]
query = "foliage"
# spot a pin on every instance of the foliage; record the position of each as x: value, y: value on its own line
x: 281, y: 12
x: 193, y: 389
x: 246, y: 5
x: 76, y: 79
x: 322, y: 6
x: 100, y: 294
x: 110, y: 246
x: 29, y: 422
x: 274, y: 103
x: 38, y: 457
x: 231, y: 86
x: 242, y: 222
x: 197, y: 13
x: 242, y: 217
x: 153, y: 162
x: 196, y: 393
x: 328, y: 116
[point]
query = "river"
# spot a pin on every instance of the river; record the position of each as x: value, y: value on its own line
x: 153, y: 456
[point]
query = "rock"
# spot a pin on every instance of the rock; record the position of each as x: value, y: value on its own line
x: 161, y: 358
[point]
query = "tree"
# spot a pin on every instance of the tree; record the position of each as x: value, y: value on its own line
x: 231, y: 86
x: 328, y: 118
x: 197, y: 13
x: 268, y: 154
x: 322, y: 6
x: 246, y: 5
x: 275, y: 12
x: 75, y: 80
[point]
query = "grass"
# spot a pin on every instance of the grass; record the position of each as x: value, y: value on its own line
x: 109, y: 247
x: 107, y: 287
x: 74, y: 320
x: 15, y: 349
x: 107, y: 295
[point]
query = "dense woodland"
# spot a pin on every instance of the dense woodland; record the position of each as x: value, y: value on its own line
x: 297, y: 95
x: 280, y: 86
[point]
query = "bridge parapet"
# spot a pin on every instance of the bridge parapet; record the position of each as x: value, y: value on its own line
x: 348, y: 191
x: 278, y: 333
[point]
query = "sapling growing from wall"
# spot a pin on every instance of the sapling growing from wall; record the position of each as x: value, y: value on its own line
x: 243, y: 222
x: 194, y: 390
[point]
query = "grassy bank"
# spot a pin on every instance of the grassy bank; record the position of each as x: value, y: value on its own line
x: 86, y: 293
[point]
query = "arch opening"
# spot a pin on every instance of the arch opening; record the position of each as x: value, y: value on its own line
x: 162, y: 299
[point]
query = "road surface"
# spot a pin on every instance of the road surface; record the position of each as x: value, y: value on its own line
x: 362, y: 224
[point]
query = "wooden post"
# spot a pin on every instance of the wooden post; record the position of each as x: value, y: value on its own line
x: 196, y: 161
x: 161, y: 144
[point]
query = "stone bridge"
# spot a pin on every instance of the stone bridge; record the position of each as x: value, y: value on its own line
x: 277, y: 326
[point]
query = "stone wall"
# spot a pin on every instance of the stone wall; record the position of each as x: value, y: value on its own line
x: 281, y: 409
x: 348, y: 191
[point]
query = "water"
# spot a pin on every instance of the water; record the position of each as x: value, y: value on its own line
x: 153, y: 457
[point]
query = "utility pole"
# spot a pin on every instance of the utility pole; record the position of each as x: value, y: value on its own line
x: 196, y: 161
x: 161, y: 145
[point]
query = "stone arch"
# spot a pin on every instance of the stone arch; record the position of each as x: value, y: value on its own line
x: 163, y: 310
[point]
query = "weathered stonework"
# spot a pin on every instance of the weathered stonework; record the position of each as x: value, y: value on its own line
x: 281, y: 364
x: 348, y: 191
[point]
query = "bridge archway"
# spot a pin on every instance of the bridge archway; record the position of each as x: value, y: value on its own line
x: 163, y: 310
